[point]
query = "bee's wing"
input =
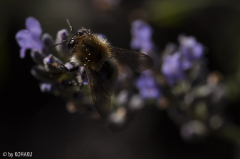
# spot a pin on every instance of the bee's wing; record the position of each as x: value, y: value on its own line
x: 101, y: 84
x: 131, y: 61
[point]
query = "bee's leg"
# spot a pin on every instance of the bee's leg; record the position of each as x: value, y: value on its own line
x: 65, y: 69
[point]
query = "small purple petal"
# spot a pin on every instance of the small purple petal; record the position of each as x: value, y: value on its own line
x: 51, y: 59
x: 186, y: 64
x: 198, y: 50
x: 150, y: 93
x: 45, y: 87
x: 22, y: 53
x: 141, y: 36
x: 102, y: 36
x: 85, y: 81
x: 190, y: 48
x: 62, y: 35
x: 37, y: 57
x: 33, y: 26
x: 27, y: 41
x: 23, y: 38
x: 47, y: 40
x: 82, y: 78
x: 147, y: 86
x: 48, y: 59
x: 172, y: 68
x: 68, y: 65
x: 51, y: 63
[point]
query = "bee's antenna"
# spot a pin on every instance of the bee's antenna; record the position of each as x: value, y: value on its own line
x: 70, y: 26
x: 58, y: 43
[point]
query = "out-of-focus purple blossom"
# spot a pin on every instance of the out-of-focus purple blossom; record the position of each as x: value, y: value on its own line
x: 81, y: 77
x: 185, y: 63
x: 190, y: 48
x: 147, y: 86
x: 29, y: 38
x: 175, y: 63
x: 172, y: 68
x: 50, y: 59
x: 37, y: 57
x: 85, y: 81
x: 68, y: 65
x: 62, y: 35
x: 51, y: 63
x: 102, y: 36
x: 141, y: 36
x: 47, y: 39
x: 45, y: 87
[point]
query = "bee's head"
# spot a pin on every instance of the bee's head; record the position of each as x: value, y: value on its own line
x: 73, y: 39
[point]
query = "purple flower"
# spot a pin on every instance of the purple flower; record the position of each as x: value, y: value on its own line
x: 147, y: 86
x: 29, y: 38
x: 185, y: 63
x: 62, y: 35
x: 102, y: 36
x: 175, y: 64
x: 51, y: 63
x: 47, y: 40
x: 141, y: 36
x: 45, y: 87
x: 190, y: 48
x: 172, y: 68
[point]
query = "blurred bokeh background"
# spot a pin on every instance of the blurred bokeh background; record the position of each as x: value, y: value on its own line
x: 40, y: 123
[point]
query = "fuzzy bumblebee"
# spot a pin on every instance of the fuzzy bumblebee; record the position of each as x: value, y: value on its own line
x: 102, y: 62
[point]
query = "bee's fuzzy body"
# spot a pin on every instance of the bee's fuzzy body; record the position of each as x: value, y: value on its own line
x: 102, y: 63
x: 91, y: 51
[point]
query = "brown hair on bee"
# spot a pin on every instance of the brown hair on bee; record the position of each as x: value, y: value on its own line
x: 89, y: 49
x: 102, y: 62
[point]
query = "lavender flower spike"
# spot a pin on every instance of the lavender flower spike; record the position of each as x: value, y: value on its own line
x: 190, y: 47
x: 147, y: 86
x: 172, y: 68
x: 62, y: 35
x: 29, y: 38
x: 45, y: 87
x: 141, y: 36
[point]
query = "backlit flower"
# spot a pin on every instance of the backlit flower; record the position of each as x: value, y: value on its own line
x: 141, y: 36
x: 172, y: 68
x: 29, y: 38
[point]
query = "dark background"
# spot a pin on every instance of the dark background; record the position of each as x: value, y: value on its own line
x: 39, y: 123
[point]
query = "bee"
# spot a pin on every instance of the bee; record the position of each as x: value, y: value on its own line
x: 102, y: 62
